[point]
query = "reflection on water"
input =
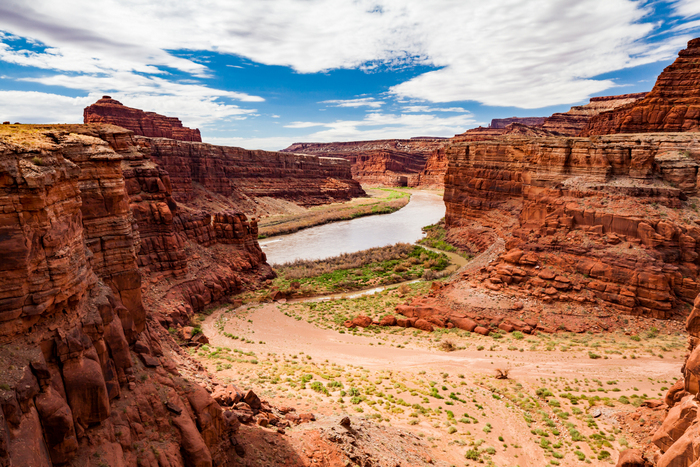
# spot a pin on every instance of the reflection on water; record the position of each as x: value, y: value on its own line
x: 333, y: 239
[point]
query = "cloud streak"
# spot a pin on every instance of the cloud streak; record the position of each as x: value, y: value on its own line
x: 503, y: 53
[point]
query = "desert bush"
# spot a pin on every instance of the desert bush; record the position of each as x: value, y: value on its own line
x: 447, y: 346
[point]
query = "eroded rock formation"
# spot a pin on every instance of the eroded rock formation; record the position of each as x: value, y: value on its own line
x: 113, y: 112
x: 606, y: 216
x: 678, y: 436
x: 672, y: 105
x: 571, y: 123
x: 393, y: 162
x: 238, y: 173
x: 500, y: 123
x: 87, y: 217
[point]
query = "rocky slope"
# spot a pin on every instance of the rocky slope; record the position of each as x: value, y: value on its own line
x: 571, y: 123
x: 674, y: 442
x: 92, y: 379
x: 393, y: 162
x: 111, y: 111
x: 672, y: 105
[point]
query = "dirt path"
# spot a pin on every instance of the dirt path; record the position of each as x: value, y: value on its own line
x: 397, y: 373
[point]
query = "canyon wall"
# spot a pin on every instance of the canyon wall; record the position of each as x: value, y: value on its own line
x: 609, y: 217
x: 500, y: 123
x: 672, y: 105
x: 571, y: 123
x: 113, y: 112
x: 88, y: 220
x: 237, y: 173
x: 392, y: 162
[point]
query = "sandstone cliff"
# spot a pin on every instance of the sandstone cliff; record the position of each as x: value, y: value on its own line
x: 609, y: 216
x: 393, y: 162
x: 571, y: 123
x: 90, y: 375
x: 500, y: 123
x: 672, y: 105
x: 111, y: 111
x: 241, y: 174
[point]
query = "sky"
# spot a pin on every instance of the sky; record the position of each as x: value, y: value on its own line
x: 264, y: 74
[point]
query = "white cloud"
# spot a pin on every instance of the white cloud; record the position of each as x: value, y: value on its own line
x: 686, y: 26
x: 687, y: 8
x: 425, y: 108
x: 40, y: 107
x: 374, y: 126
x: 507, y: 53
x: 362, y: 102
x: 303, y: 124
x: 378, y: 125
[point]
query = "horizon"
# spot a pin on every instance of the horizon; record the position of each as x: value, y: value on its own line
x: 265, y: 76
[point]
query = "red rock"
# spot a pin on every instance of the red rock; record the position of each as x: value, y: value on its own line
x: 675, y: 393
x: 388, y: 321
x: 678, y: 420
x: 423, y: 325
x: 57, y: 423
x: 632, y: 458
x: 571, y: 123
x: 359, y: 321
x: 252, y: 400
x: 383, y: 162
x: 506, y: 327
x: 673, y: 105
x: 482, y: 330
x: 108, y: 110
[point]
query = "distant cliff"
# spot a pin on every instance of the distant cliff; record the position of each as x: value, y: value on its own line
x: 108, y: 110
x: 390, y: 162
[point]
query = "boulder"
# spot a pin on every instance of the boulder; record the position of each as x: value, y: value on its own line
x: 388, y: 321
x: 679, y: 418
x: 423, y: 325
x: 632, y: 458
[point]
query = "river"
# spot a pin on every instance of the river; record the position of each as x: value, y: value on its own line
x: 358, y: 234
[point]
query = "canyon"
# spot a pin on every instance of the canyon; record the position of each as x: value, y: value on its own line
x: 393, y: 162
x: 116, y: 234
x: 101, y: 256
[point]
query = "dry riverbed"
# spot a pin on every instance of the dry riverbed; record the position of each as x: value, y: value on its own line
x: 565, y: 400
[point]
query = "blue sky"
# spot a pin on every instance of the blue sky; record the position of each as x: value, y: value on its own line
x: 265, y: 74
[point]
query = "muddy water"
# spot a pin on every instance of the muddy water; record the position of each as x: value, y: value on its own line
x: 333, y: 239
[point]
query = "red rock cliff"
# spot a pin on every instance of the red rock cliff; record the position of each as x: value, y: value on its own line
x: 108, y: 110
x: 610, y: 212
x: 393, y: 162
x: 236, y: 172
x: 85, y: 215
x: 672, y: 105
x: 571, y: 123
x: 499, y: 123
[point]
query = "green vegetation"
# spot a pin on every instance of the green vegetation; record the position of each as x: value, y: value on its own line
x: 435, y: 238
x: 381, y: 201
x: 364, y: 269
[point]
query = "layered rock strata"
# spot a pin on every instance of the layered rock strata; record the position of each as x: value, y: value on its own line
x: 605, y: 219
x: 571, y: 123
x: 394, y: 162
x: 113, y: 112
x: 238, y: 173
x: 500, y: 123
x: 85, y: 215
x: 673, y: 104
